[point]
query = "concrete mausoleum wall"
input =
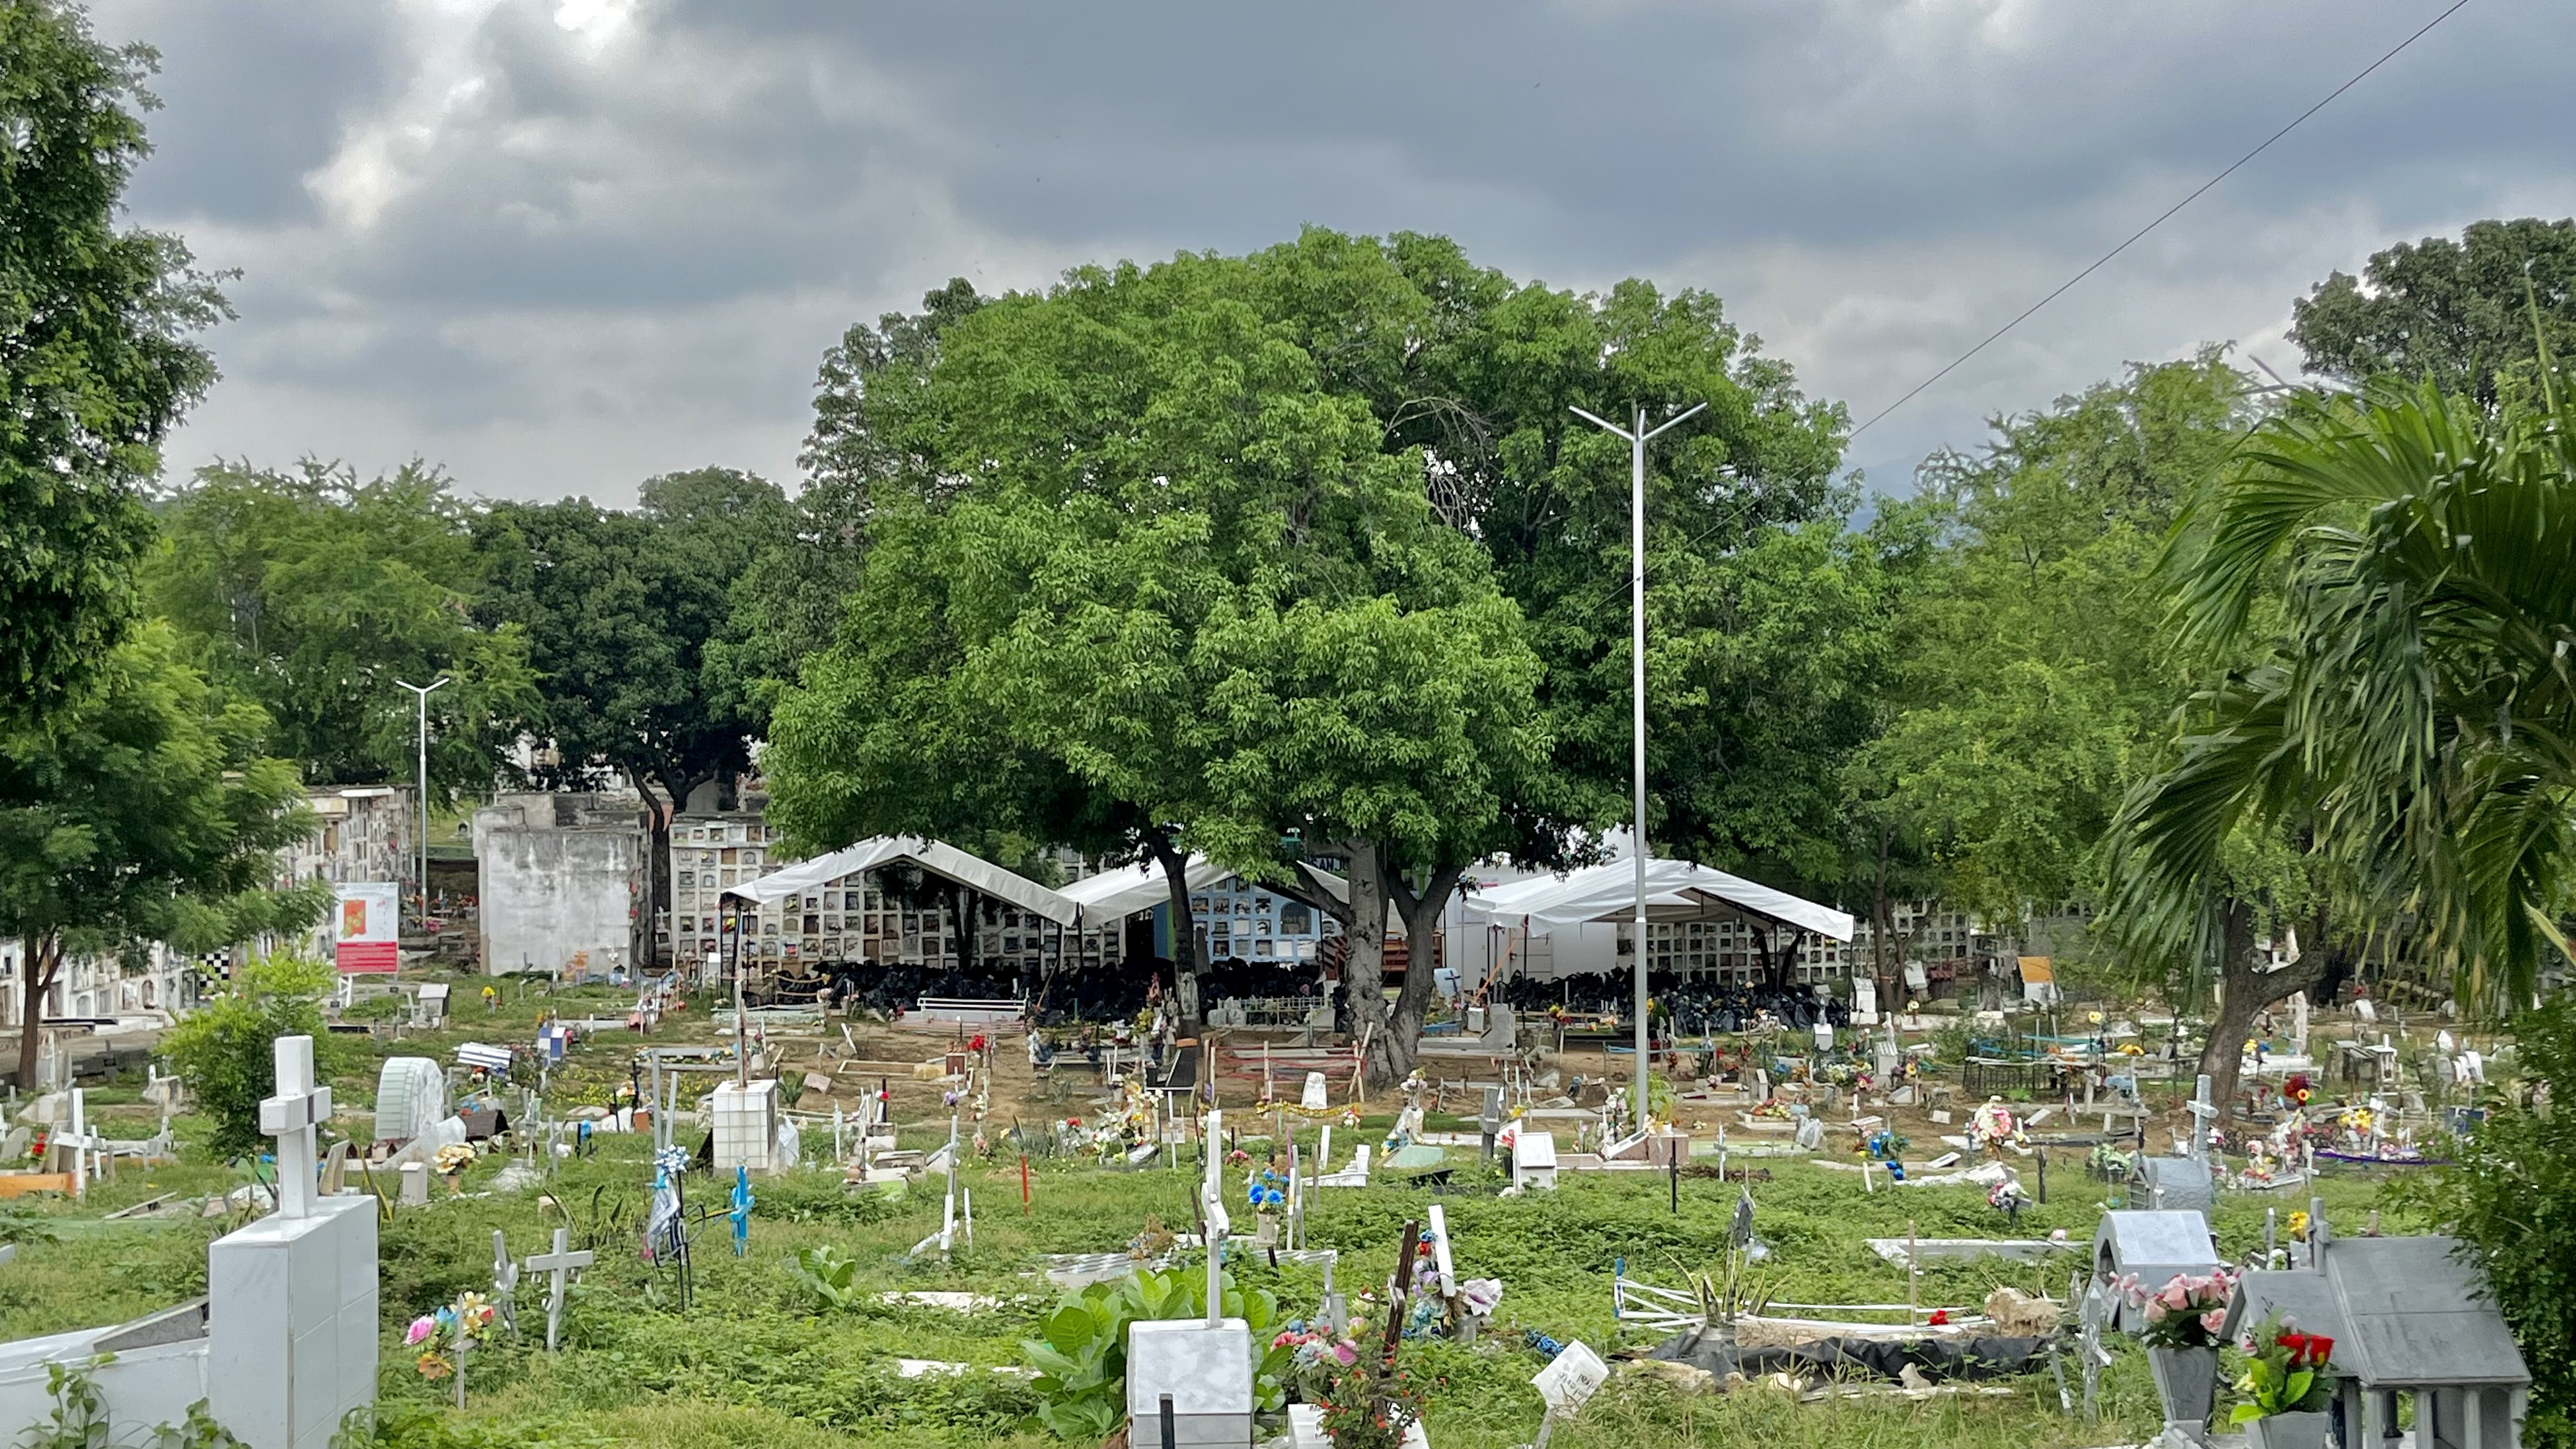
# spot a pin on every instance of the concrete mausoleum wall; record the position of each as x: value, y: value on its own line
x: 562, y: 882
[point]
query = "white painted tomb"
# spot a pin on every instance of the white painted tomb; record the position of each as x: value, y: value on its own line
x: 746, y: 1125
x: 1191, y: 1379
x: 283, y: 1345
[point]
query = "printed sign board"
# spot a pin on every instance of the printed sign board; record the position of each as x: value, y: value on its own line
x: 366, y: 924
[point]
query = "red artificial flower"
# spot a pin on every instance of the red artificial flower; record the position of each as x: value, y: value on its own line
x: 2296, y: 1344
x: 1939, y: 1317
x: 2320, y: 1348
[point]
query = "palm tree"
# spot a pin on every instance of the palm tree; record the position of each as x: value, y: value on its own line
x: 2403, y: 566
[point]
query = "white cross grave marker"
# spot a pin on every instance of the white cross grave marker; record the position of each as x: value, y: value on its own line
x: 558, y: 1263
x: 1212, y: 1208
x: 87, y: 1147
x: 2202, y: 1114
x: 505, y: 1282
x: 290, y: 1117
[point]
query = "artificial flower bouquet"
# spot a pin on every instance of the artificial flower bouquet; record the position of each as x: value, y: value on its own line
x: 2286, y: 1372
x: 2186, y: 1312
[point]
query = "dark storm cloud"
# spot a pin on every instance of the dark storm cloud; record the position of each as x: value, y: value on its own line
x: 563, y: 245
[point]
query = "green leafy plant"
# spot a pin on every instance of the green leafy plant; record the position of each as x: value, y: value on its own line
x: 80, y: 1418
x: 2286, y: 1372
x: 829, y: 1274
x: 2509, y: 1196
x: 225, y: 1048
x: 1081, y: 1355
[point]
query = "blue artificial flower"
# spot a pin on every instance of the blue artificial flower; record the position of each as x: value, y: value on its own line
x: 671, y: 1160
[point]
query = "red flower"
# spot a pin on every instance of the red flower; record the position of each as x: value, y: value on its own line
x: 1939, y: 1316
x: 2296, y: 1344
x: 2320, y: 1348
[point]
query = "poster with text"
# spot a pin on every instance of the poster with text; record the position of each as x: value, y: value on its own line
x: 367, y: 923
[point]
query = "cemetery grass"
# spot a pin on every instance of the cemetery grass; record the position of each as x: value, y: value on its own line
x: 754, y: 1357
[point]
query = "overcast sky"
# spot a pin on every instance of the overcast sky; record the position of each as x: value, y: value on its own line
x: 561, y: 245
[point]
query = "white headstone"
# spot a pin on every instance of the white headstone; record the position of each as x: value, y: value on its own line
x: 411, y: 1098
x: 291, y: 1325
x: 1571, y: 1378
x: 1316, y: 1095
x: 415, y: 1184
x: 1201, y: 1372
x: 746, y: 1125
x: 1534, y: 1159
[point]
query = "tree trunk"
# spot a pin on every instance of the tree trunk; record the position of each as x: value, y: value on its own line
x: 1176, y: 881
x: 1363, y: 918
x: 44, y: 964
x: 1882, y: 919
x: 2245, y: 989
x: 662, y: 905
x: 969, y: 931
x: 1421, y: 913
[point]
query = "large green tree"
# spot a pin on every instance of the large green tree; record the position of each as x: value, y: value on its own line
x: 2032, y: 677
x: 623, y: 614
x: 1137, y: 518
x: 96, y: 364
x: 314, y: 591
x: 145, y: 811
x: 2459, y: 314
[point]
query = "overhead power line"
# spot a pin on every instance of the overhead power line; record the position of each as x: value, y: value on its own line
x: 2160, y: 220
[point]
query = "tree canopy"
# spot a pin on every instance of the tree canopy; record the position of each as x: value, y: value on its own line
x: 146, y: 811
x: 2033, y: 680
x: 96, y: 361
x: 620, y: 611
x: 1296, y: 552
x: 2458, y: 314
x: 313, y: 592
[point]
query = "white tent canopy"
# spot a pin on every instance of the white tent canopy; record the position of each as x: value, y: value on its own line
x: 944, y: 861
x: 1123, y: 890
x: 1676, y: 890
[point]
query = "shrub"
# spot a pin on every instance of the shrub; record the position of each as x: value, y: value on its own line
x: 225, y: 1049
x: 2509, y: 1196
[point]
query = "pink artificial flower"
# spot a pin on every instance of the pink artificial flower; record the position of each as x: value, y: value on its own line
x: 2156, y: 1311
x: 2213, y: 1320
x: 2176, y: 1295
x: 1347, y: 1354
x: 421, y: 1328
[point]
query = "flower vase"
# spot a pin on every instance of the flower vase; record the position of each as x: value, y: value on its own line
x: 2187, y: 1381
x: 455, y: 1182
x: 2287, y: 1431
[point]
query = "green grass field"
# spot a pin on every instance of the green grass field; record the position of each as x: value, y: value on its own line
x: 751, y: 1359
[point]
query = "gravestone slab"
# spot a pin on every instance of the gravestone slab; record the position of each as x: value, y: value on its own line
x: 2155, y: 1246
x: 1534, y: 1160
x: 291, y: 1338
x: 411, y: 1098
x: 1205, y: 1371
x: 2178, y: 1184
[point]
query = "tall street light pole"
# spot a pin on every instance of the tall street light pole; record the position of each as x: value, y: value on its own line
x: 424, y: 691
x: 1638, y: 436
